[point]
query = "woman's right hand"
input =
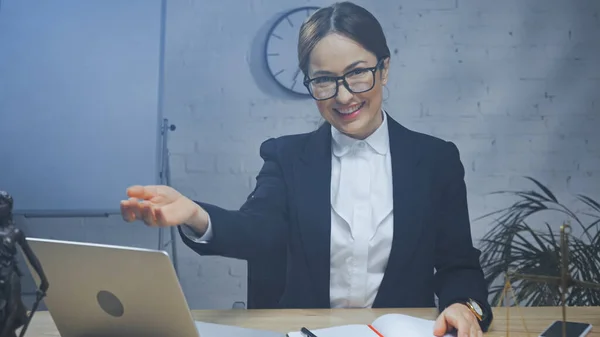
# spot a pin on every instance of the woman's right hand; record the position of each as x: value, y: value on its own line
x: 162, y: 206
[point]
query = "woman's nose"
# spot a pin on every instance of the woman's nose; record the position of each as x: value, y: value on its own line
x: 343, y: 96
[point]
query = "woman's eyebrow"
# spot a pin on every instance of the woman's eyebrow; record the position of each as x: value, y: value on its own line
x: 325, y: 72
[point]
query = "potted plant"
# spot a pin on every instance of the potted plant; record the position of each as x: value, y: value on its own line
x: 516, y: 245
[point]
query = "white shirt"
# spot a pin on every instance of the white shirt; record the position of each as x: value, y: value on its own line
x: 361, y: 217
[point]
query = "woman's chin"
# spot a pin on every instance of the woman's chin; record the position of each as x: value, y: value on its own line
x: 355, y: 129
x: 360, y: 126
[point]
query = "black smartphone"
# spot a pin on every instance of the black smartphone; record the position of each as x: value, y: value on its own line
x: 574, y: 329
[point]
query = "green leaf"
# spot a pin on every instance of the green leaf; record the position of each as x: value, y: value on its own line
x: 513, y: 245
x: 588, y: 201
x: 544, y: 188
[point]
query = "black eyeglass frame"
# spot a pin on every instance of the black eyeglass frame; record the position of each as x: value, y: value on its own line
x: 337, y: 79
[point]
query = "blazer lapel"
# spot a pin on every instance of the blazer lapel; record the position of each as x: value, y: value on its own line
x: 312, y: 174
x: 407, y: 217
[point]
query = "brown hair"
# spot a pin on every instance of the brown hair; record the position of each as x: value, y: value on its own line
x: 345, y: 18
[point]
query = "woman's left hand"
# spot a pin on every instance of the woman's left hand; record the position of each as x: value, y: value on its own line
x: 457, y: 316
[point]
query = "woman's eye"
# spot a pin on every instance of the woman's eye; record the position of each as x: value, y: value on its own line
x: 357, y: 71
x: 324, y: 79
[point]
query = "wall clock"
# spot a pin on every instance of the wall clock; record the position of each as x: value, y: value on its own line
x: 281, y: 50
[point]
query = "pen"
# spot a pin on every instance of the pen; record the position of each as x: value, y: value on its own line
x: 307, y: 332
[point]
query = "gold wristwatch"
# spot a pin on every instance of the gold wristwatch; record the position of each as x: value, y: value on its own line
x: 475, y: 309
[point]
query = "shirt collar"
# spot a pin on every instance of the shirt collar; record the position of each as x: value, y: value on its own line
x: 378, y: 140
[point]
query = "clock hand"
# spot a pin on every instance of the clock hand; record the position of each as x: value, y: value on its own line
x: 295, y: 76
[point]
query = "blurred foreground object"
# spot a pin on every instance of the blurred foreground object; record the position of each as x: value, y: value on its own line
x: 13, y: 314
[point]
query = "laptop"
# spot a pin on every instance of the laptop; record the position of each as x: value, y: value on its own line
x: 106, y: 290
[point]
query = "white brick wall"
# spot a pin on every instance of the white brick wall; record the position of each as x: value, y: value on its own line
x: 514, y: 83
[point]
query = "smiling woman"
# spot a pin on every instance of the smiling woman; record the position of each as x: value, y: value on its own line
x: 345, y: 43
x: 368, y: 212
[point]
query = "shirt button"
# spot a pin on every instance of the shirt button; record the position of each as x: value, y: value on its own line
x: 361, y: 144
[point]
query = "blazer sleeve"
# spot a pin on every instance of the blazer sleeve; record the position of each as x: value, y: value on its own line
x: 459, y: 275
x: 259, y: 227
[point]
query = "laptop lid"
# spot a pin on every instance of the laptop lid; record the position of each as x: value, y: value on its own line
x: 106, y: 290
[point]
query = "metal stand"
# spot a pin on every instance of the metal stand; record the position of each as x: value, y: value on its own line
x: 165, y: 179
x: 564, y: 281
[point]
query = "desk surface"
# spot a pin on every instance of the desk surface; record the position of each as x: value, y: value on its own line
x: 536, y: 319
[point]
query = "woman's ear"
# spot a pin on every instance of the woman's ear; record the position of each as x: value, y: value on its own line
x: 385, y: 70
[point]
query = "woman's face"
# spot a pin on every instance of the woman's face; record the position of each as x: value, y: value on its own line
x: 357, y: 115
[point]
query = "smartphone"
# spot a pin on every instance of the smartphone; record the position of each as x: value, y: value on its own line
x: 574, y: 329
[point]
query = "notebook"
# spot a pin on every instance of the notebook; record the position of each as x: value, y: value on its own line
x: 389, y: 325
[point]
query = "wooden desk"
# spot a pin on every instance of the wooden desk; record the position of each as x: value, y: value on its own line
x: 284, y: 321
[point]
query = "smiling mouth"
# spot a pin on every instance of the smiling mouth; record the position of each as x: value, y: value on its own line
x: 354, y: 108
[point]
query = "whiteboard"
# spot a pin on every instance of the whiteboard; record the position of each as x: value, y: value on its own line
x: 80, y: 102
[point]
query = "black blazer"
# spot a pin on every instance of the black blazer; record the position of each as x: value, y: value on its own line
x: 290, y: 209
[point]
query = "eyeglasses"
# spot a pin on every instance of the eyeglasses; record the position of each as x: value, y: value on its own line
x: 355, y: 81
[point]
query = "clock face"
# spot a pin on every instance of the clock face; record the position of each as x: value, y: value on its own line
x: 281, y: 50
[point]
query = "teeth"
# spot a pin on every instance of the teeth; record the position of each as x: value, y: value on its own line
x: 352, y: 109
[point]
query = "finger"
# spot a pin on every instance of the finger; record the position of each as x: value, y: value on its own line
x: 478, y: 332
x: 134, y: 207
x: 161, y: 219
x: 168, y: 214
x: 130, y: 207
x: 142, y: 192
x: 439, y: 329
x: 475, y: 330
x: 460, y: 323
x: 126, y: 212
x: 147, y: 213
x: 464, y: 328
